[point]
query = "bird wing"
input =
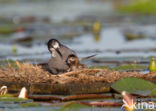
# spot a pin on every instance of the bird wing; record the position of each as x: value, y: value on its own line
x: 88, y: 57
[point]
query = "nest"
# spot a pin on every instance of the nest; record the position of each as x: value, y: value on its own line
x: 37, y: 80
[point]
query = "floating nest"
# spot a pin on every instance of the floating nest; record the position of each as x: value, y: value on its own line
x: 39, y: 81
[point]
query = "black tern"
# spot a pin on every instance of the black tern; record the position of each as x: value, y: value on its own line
x: 57, y: 63
x: 62, y: 50
x: 63, y: 59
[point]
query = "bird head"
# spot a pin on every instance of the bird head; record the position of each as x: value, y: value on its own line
x: 72, y: 59
x: 54, y: 44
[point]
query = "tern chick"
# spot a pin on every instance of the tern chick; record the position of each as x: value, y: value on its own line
x: 74, y: 64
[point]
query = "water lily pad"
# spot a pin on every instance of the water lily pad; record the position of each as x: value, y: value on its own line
x: 130, y: 67
x: 13, y: 99
x: 99, y: 67
x: 30, y: 104
x: 6, y: 29
x: 6, y: 95
x: 153, y: 92
x: 140, y: 6
x: 134, y: 85
x: 74, y: 107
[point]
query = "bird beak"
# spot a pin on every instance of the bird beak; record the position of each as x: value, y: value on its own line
x: 59, y: 52
x: 129, y: 101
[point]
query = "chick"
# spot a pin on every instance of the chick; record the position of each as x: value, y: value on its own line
x: 74, y: 64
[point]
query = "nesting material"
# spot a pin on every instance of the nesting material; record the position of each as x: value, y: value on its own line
x: 39, y: 81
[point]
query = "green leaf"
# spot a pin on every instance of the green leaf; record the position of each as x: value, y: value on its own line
x: 130, y: 67
x: 141, y: 6
x: 13, y: 99
x: 153, y: 92
x: 6, y: 95
x: 134, y: 85
x: 30, y: 105
x: 74, y: 107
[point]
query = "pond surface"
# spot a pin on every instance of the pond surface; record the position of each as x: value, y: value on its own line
x: 71, y: 23
x: 112, y: 38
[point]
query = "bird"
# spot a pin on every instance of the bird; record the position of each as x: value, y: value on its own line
x: 61, y: 49
x: 56, y: 64
x: 87, y: 57
x: 59, y: 54
x: 74, y: 64
x: 63, y: 59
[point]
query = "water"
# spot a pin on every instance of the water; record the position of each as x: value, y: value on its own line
x: 110, y: 42
x: 57, y: 10
x: 111, y: 39
x: 68, y: 21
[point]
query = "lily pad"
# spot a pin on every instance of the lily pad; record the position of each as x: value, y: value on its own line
x: 30, y: 105
x: 130, y: 67
x: 99, y: 67
x: 134, y: 85
x: 13, y: 99
x: 140, y: 6
x: 6, y: 29
x: 153, y: 92
x: 74, y: 107
x: 6, y: 95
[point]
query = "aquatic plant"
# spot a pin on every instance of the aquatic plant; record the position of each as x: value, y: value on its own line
x: 152, y: 65
x: 135, y: 86
x: 140, y: 6
x: 130, y: 67
x: 30, y: 104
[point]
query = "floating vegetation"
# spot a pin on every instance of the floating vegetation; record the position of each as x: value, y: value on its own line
x: 36, y: 80
x: 13, y: 99
x: 135, y: 86
x: 99, y: 67
x: 96, y: 30
x: 130, y: 36
x: 124, y: 67
x: 6, y: 95
x: 130, y: 67
x: 32, y: 104
x: 152, y: 65
x: 6, y: 29
x: 73, y: 106
x: 140, y: 6
x: 14, y: 49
